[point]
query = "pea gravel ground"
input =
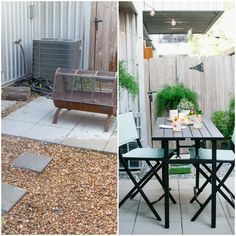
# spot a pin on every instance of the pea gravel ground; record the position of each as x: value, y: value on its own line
x: 75, y: 194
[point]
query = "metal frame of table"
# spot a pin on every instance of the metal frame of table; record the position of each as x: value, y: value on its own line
x: 207, y: 132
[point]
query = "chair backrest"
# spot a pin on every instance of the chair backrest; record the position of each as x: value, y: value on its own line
x: 127, y: 128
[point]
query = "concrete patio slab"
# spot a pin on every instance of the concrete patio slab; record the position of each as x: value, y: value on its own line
x: 188, y: 211
x: 15, y: 127
x: 111, y: 145
x: 203, y: 228
x: 68, y: 119
x: 47, y: 133
x: 31, y: 161
x: 156, y: 228
x: 74, y: 128
x: 126, y: 227
x: 128, y: 211
x: 90, y: 133
x: 6, y: 104
x: 135, y: 214
x: 10, y: 196
x: 32, y: 116
x: 144, y: 213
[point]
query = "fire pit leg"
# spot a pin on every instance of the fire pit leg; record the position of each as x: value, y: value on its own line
x: 107, y: 123
x: 56, y: 115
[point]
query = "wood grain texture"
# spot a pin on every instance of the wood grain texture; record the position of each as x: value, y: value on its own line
x: 215, y: 86
x: 103, y: 50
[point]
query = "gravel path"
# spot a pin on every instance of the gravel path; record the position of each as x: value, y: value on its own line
x: 76, y: 193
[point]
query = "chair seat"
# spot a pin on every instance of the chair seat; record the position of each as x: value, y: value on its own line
x: 206, y: 154
x: 146, y: 154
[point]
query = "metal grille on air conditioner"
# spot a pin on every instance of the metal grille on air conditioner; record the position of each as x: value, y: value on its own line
x: 49, y: 54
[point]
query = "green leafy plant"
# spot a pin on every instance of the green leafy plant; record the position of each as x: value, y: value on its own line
x: 170, y: 96
x: 225, y: 121
x: 198, y: 112
x: 184, y: 104
x: 232, y: 104
x: 126, y: 80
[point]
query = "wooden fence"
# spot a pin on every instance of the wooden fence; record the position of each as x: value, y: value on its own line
x: 215, y: 86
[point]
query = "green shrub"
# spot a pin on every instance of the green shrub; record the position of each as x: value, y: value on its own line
x: 225, y: 120
x: 232, y: 105
x: 169, y: 97
x: 126, y: 80
x: 222, y: 121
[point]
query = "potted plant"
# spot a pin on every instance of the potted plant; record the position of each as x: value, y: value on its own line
x: 185, y: 106
x: 169, y: 97
x: 126, y: 80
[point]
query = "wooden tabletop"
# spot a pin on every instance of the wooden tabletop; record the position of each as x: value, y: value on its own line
x: 207, y: 132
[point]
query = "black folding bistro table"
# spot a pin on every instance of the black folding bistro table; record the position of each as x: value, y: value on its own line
x: 207, y: 132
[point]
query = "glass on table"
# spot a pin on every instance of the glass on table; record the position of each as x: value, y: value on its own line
x: 176, y: 125
x: 197, y: 123
x: 173, y: 114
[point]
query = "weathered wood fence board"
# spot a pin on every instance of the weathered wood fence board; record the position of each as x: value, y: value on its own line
x: 103, y: 42
x: 215, y: 86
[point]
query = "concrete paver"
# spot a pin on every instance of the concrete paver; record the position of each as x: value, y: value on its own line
x: 68, y: 119
x: 6, y: 104
x: 31, y: 161
x: 126, y: 227
x: 74, y: 128
x: 46, y: 133
x: 135, y: 214
x: 15, y: 127
x: 204, y: 228
x: 10, y: 196
x: 111, y: 145
x: 90, y: 133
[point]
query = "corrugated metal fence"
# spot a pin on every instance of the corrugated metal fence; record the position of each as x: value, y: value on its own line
x: 35, y: 20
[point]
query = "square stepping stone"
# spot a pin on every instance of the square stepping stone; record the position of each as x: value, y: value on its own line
x: 31, y: 161
x: 10, y: 196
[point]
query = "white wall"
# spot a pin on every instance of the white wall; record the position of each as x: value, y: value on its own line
x: 35, y: 20
x: 127, y: 52
x: 131, y: 50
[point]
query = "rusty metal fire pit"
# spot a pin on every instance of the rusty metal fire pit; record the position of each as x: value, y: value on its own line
x: 85, y: 90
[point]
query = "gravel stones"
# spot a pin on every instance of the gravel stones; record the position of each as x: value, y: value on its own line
x: 75, y: 194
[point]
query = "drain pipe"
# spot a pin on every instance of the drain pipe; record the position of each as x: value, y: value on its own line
x: 18, y: 42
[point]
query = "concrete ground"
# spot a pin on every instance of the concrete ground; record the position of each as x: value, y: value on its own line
x: 136, y: 218
x: 6, y: 104
x: 74, y: 128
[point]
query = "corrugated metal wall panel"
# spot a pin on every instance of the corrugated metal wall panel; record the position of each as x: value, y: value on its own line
x: 67, y: 20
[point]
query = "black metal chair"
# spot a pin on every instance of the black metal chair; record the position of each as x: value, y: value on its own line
x: 204, y: 157
x: 128, y: 133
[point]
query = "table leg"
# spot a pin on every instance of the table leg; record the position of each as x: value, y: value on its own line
x: 213, y: 183
x: 177, y: 149
x: 197, y: 146
x: 165, y: 170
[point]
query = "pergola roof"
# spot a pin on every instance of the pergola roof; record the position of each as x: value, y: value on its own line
x: 199, y: 21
